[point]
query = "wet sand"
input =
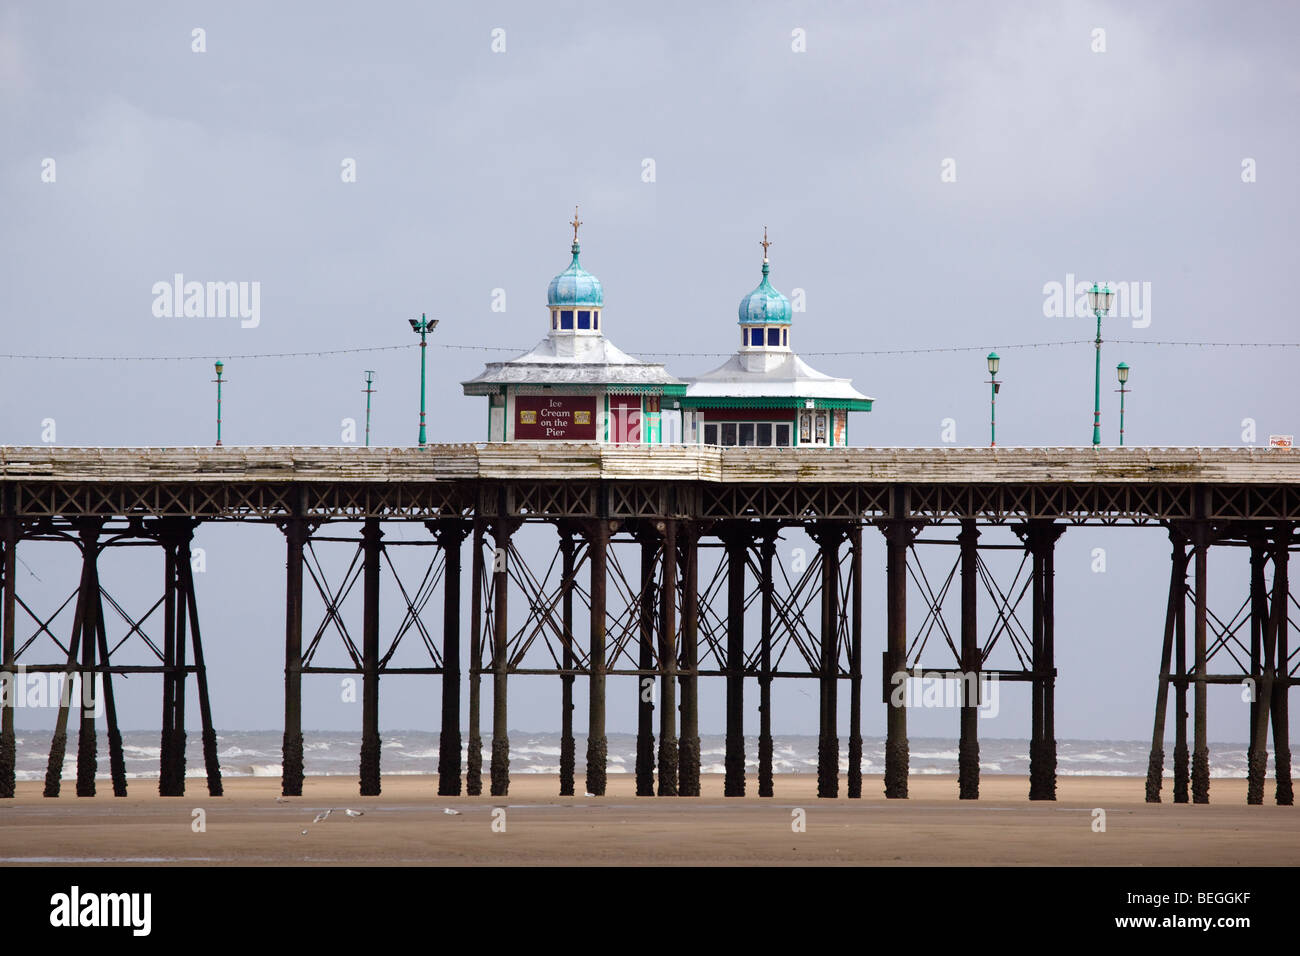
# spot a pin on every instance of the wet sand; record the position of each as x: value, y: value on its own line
x: 408, y: 825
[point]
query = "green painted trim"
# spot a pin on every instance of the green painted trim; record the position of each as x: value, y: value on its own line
x: 589, y: 388
x: 672, y: 391
x: 820, y: 404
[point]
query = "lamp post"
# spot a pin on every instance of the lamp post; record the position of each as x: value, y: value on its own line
x: 1100, y: 300
x: 1122, y: 371
x: 369, y: 390
x: 424, y: 326
x: 994, y: 362
x: 218, y: 380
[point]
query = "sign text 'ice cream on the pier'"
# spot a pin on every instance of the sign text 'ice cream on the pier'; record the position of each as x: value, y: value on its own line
x: 557, y: 417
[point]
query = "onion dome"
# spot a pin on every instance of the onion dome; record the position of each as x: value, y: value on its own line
x: 764, y: 306
x: 575, y: 286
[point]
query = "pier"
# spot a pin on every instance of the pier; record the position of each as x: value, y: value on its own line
x: 662, y: 557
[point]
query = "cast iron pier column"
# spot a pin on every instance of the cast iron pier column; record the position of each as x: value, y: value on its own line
x: 370, y: 743
x: 968, y: 748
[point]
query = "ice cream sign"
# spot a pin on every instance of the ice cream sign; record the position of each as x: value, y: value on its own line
x: 555, y: 417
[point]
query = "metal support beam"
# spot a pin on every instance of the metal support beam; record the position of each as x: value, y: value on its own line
x: 116, y: 756
x: 370, y: 744
x: 59, y: 742
x: 828, y: 537
x: 1261, y: 674
x: 668, y: 769
x: 87, y: 743
x: 167, y: 784
x: 1040, y: 539
x: 177, y: 772
x: 474, y: 754
x: 645, y: 684
x: 1182, y: 756
x: 291, y: 760
x: 501, y: 532
x: 597, y: 746
x: 451, y: 534
x: 9, y: 533
x: 1284, y: 793
x: 737, y: 543
x: 767, y: 551
x: 1200, y: 746
x: 855, y: 664
x: 567, y: 747
x: 1177, y: 595
x: 898, y: 536
x: 689, y: 744
x: 968, y: 747
x: 211, y: 764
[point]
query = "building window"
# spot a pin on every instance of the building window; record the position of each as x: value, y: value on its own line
x: 584, y: 319
x: 785, y: 336
x: 555, y: 318
x: 756, y: 337
x: 595, y: 319
x: 566, y: 318
x: 748, y: 434
x: 773, y: 336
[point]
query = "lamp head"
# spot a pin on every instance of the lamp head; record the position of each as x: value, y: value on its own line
x: 1122, y: 371
x: 994, y: 362
x: 1100, y: 298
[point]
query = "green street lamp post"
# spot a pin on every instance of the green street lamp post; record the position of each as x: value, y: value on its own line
x: 424, y: 326
x: 994, y: 362
x: 370, y: 390
x: 1122, y: 371
x: 218, y: 380
x: 1100, y: 300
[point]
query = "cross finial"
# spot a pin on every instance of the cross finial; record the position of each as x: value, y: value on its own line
x: 765, y: 243
x: 575, y: 223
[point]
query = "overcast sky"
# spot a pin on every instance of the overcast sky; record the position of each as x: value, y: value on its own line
x: 924, y: 169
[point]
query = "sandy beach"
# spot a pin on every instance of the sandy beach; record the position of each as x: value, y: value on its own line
x: 410, y: 825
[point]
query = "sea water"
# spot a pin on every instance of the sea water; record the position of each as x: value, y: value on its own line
x: 327, y: 753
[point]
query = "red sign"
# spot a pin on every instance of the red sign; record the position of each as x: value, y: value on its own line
x: 555, y: 417
x: 625, y: 415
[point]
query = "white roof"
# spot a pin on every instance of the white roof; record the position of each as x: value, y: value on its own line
x: 567, y: 359
x: 753, y: 375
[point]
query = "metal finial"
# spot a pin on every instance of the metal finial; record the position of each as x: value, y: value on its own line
x: 575, y: 223
x: 765, y: 243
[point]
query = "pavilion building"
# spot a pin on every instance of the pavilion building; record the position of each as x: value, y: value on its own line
x: 765, y: 394
x: 575, y: 385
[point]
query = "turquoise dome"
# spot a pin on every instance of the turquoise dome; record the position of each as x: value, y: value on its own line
x: 575, y: 286
x: 763, y: 306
